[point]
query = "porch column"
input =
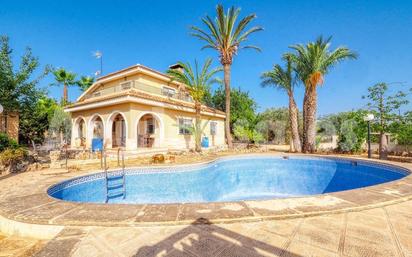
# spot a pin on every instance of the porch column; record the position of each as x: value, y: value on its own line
x: 73, y: 134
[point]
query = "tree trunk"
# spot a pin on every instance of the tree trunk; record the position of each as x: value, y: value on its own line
x: 65, y: 94
x: 198, y: 132
x: 383, y: 142
x: 309, y: 119
x: 383, y: 146
x: 294, y: 127
x: 291, y: 146
x: 33, y: 145
x: 226, y: 70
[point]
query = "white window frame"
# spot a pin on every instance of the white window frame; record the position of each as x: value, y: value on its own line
x: 181, y: 130
x: 96, y: 94
x: 126, y: 85
x: 213, y: 128
x: 167, y: 91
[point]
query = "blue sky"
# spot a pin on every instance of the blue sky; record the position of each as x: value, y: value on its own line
x: 156, y: 34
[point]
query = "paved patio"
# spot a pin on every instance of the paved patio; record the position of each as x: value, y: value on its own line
x: 374, y: 221
x: 18, y: 246
x: 376, y: 232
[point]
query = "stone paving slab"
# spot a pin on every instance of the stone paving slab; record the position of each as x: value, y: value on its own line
x: 19, y: 247
x: 97, y: 214
x: 352, y: 234
x: 214, y: 211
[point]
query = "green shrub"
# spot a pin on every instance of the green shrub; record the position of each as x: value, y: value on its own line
x: 7, y: 142
x: 244, y: 133
x: 12, y: 156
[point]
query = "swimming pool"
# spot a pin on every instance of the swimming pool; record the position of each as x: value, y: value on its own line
x: 233, y: 179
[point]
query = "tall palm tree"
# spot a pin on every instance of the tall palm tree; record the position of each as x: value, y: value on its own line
x: 312, y: 62
x: 65, y: 78
x: 284, y: 79
x: 226, y: 35
x: 85, y: 82
x: 198, y: 83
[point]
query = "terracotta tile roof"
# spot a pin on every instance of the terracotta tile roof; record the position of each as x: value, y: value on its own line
x: 142, y: 67
x: 137, y: 67
x: 138, y: 93
x: 117, y: 72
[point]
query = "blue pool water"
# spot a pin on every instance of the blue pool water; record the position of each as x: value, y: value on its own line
x: 233, y: 179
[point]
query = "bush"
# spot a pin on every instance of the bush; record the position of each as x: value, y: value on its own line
x: 12, y: 156
x: 246, y: 134
x: 7, y: 142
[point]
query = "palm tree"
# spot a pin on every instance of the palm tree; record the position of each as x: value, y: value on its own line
x: 198, y: 83
x: 312, y: 62
x: 66, y: 79
x: 226, y: 35
x: 283, y: 79
x: 85, y: 82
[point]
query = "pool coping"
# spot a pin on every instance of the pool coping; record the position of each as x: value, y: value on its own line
x: 37, y: 207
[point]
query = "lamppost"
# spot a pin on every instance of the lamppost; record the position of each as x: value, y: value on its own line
x: 368, y: 118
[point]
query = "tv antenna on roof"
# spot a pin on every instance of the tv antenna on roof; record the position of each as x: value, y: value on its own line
x: 99, y: 55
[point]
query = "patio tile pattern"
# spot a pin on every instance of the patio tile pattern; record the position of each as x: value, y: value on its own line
x: 352, y: 234
x: 373, y: 221
x: 29, y: 202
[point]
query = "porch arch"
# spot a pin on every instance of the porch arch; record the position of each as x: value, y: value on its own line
x: 96, y: 128
x: 80, y: 131
x: 158, y: 119
x: 124, y: 129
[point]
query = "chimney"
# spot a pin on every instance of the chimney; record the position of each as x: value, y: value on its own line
x: 177, y: 67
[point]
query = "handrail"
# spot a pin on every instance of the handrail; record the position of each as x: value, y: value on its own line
x: 118, y: 156
x: 124, y: 176
x: 101, y: 159
x: 106, y: 176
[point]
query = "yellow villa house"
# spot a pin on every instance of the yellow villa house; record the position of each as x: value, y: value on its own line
x: 138, y: 108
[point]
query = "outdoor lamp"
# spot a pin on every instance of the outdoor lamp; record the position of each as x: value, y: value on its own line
x: 1, y: 109
x: 368, y: 118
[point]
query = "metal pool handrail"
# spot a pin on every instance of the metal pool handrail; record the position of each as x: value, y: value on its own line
x: 115, y: 178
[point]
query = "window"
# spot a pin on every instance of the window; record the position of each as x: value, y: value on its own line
x: 184, y: 126
x: 98, y: 129
x: 169, y: 92
x: 126, y: 85
x: 185, y: 96
x: 213, y: 126
x: 150, y: 126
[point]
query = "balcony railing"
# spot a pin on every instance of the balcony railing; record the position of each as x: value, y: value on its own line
x: 163, y: 91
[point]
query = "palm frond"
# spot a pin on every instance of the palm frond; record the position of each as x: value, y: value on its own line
x: 313, y: 60
x: 244, y: 36
x: 199, y: 33
x: 195, y: 78
x: 224, y: 33
x: 252, y: 47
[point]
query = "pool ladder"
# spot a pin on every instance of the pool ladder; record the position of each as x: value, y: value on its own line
x: 115, y: 184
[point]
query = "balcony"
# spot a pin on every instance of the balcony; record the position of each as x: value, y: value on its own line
x: 163, y: 91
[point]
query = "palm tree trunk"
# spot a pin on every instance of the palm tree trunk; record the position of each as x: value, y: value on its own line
x: 309, y: 119
x: 383, y: 146
x: 226, y: 70
x: 293, y: 119
x: 198, y: 132
x: 65, y: 94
